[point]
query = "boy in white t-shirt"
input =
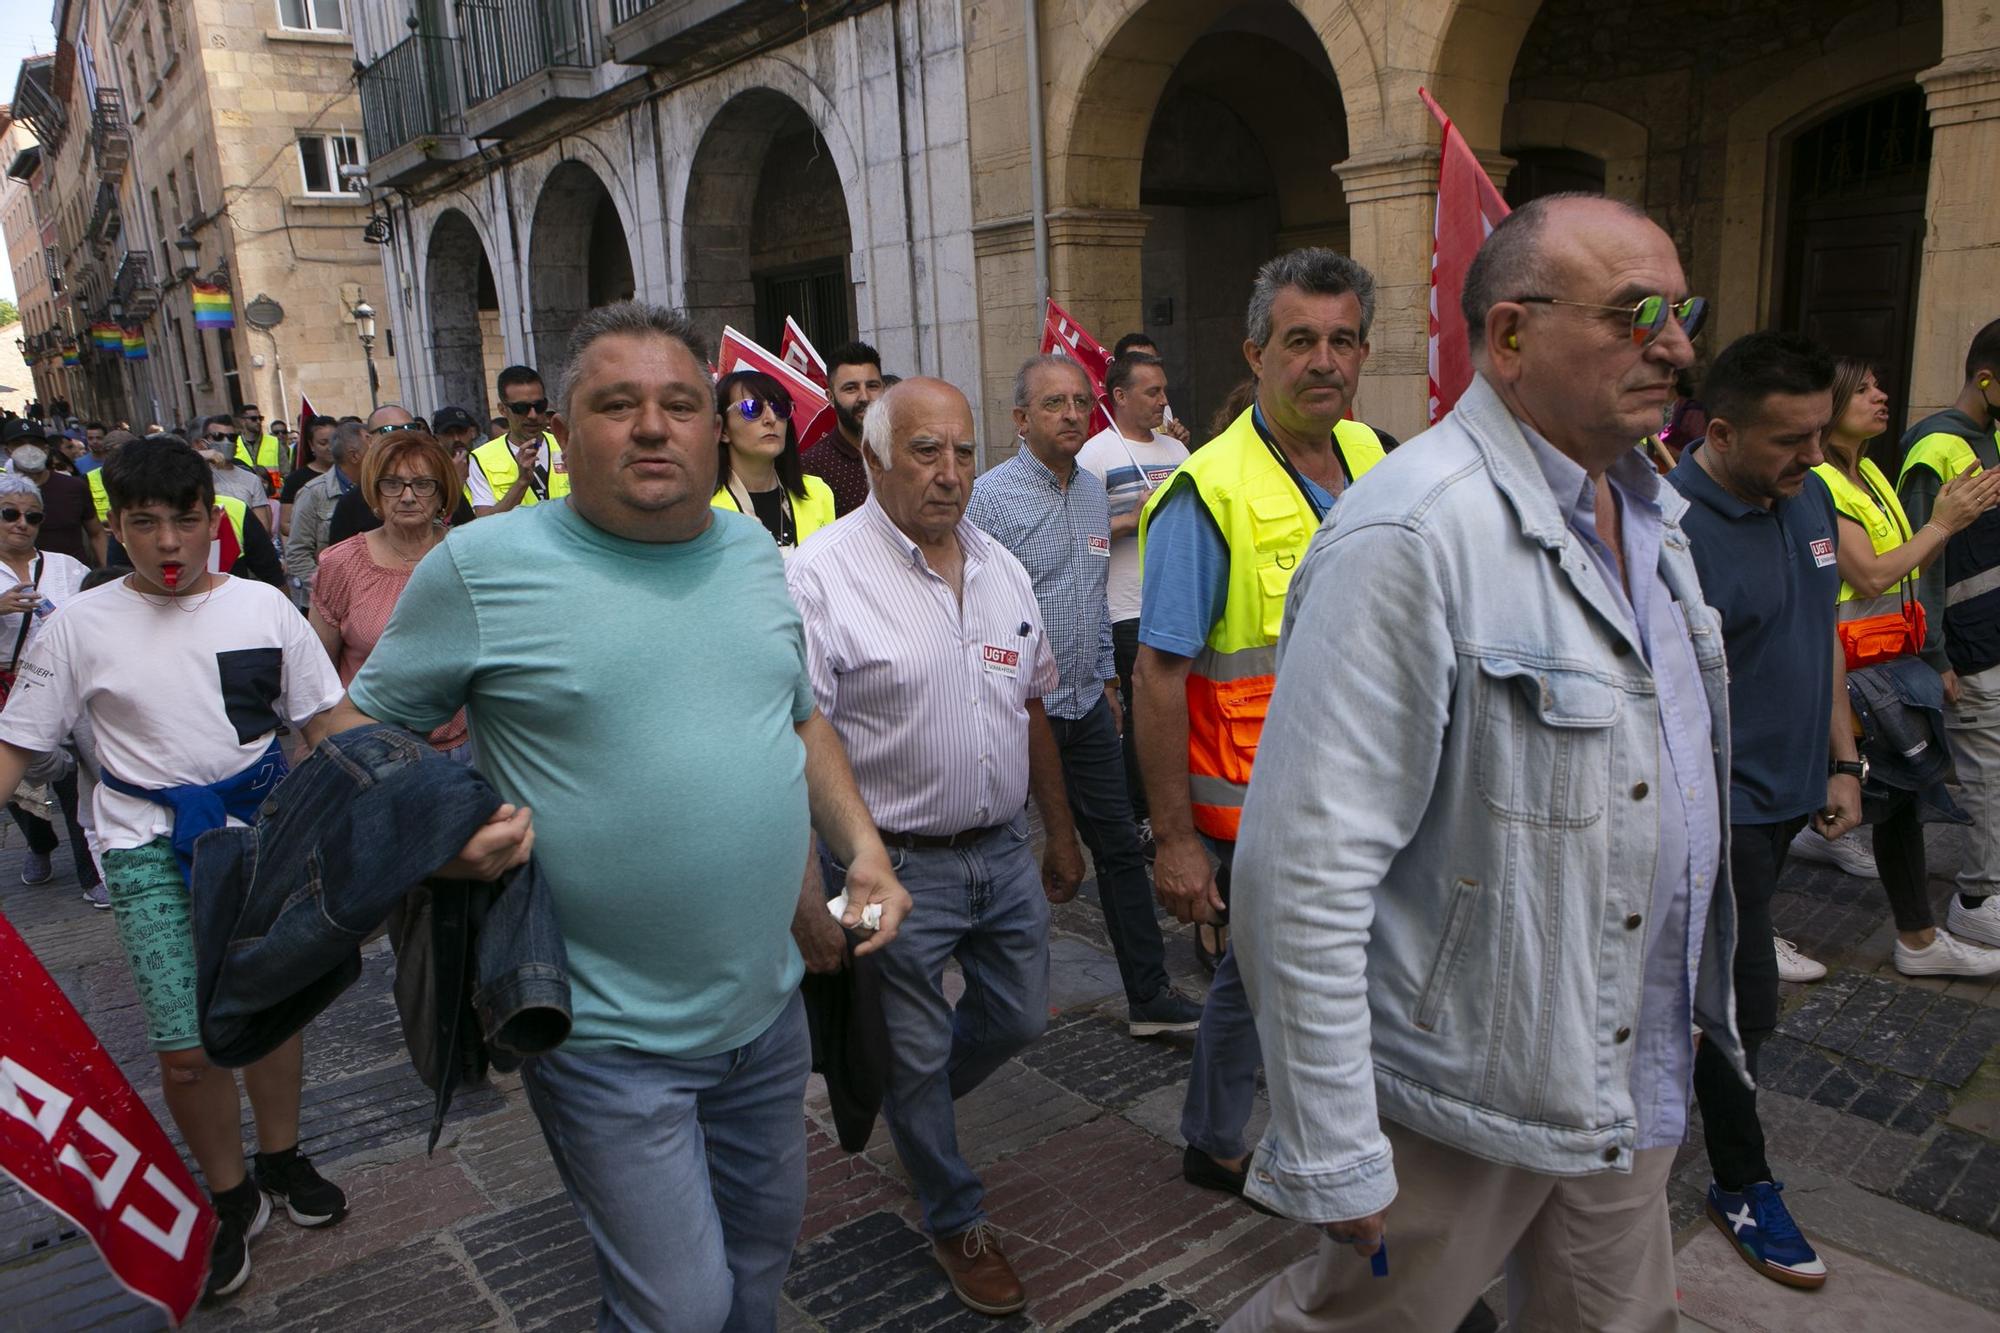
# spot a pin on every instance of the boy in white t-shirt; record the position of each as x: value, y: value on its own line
x: 1132, y: 457
x: 185, y: 676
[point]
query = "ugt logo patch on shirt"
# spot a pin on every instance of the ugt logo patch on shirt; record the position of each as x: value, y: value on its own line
x: 1006, y: 661
x: 1098, y: 545
x: 1822, y: 549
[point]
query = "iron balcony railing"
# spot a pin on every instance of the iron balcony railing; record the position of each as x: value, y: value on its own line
x: 133, y: 286
x: 624, y: 10
x: 110, y: 133
x: 502, y: 42
x: 410, y: 93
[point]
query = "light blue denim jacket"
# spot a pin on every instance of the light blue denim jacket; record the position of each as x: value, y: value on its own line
x: 1448, y: 844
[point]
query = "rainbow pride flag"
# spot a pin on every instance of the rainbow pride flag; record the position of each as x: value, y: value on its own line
x: 135, y: 344
x: 70, y: 356
x: 212, y: 307
x: 106, y: 337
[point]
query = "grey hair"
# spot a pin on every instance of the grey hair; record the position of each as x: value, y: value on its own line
x: 13, y: 483
x: 1513, y: 261
x: 1034, y: 363
x: 1316, y: 271
x: 624, y: 317
x: 349, y: 439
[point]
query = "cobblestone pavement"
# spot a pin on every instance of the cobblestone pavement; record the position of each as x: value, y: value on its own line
x: 1882, y: 1107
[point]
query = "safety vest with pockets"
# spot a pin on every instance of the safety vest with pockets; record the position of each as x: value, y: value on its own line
x: 810, y: 512
x: 496, y: 459
x: 1266, y: 522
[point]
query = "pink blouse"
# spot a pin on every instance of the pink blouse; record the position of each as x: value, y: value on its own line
x: 355, y: 596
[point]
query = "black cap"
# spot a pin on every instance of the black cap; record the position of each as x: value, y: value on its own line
x: 453, y: 418
x: 21, y: 430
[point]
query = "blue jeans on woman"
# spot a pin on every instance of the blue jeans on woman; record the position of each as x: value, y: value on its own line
x: 984, y: 906
x: 689, y: 1174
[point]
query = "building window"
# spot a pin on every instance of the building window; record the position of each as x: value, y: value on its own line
x: 311, y: 15
x: 321, y: 156
x: 167, y: 30
x: 146, y: 46
x: 194, y: 186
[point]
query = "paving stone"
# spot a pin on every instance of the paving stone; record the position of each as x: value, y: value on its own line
x: 360, y: 1030
x: 841, y: 1185
x: 1149, y: 1309
x: 504, y: 1151
x: 1822, y: 1002
x: 28, y: 1225
x: 371, y: 1109
x: 67, y: 1287
x: 1927, y: 1183
x: 1720, y: 1290
x: 1080, y: 974
x: 420, y: 1285
x: 1097, y: 1061
x: 1014, y: 1109
x: 1976, y: 1198
x: 537, y: 1260
x: 1845, y: 1029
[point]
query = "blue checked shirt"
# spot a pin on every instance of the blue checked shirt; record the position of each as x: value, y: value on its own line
x: 1062, y: 537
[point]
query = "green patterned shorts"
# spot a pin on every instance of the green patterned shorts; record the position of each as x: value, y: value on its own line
x: 149, y: 901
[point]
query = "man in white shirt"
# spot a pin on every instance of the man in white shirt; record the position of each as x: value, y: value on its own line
x: 1131, y: 457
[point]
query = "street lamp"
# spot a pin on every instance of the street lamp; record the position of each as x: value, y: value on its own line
x: 364, y: 325
x: 190, y: 250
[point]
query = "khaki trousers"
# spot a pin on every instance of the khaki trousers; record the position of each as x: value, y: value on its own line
x: 1583, y: 1254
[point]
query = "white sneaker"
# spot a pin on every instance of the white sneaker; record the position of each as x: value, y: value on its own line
x: 1947, y: 956
x: 1795, y: 966
x: 1980, y: 924
x: 1848, y: 852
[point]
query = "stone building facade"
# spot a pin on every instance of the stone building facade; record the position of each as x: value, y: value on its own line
x: 1821, y: 163
x: 21, y: 227
x: 201, y: 141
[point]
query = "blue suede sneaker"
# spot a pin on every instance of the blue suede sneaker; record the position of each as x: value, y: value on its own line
x: 1761, y: 1227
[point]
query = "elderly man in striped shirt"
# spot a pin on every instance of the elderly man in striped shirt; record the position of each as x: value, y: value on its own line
x: 1056, y: 519
x: 926, y: 651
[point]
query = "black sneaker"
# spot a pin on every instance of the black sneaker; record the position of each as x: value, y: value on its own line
x: 310, y: 1199
x: 241, y: 1214
x: 1169, y: 1011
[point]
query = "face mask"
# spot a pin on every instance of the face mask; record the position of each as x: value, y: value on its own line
x: 31, y: 458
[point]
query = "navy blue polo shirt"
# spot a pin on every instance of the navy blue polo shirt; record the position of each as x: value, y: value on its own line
x: 1771, y: 575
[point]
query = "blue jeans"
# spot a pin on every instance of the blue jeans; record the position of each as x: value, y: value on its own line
x: 1222, y: 1085
x: 690, y: 1175
x: 982, y: 905
x: 1094, y: 772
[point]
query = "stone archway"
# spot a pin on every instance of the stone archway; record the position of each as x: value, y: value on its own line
x: 578, y: 258
x: 766, y: 227
x: 464, y: 312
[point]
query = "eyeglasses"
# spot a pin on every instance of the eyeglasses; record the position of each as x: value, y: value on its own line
x: 13, y: 515
x: 752, y: 408
x: 1056, y: 402
x: 527, y: 406
x: 1649, y: 316
x: 421, y: 487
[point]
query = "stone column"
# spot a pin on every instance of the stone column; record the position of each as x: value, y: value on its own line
x: 1390, y: 195
x: 1961, y: 266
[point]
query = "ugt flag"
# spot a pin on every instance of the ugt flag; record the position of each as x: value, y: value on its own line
x: 812, y: 413
x: 1468, y: 208
x: 1062, y: 334
x: 77, y: 1137
x: 796, y: 350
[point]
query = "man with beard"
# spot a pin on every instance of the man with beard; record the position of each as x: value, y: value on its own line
x: 854, y: 378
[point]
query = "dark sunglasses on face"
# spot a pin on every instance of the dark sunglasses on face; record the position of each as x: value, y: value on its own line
x: 401, y: 425
x: 752, y: 408
x: 13, y: 515
x: 221, y: 439
x: 527, y: 406
x: 1649, y: 315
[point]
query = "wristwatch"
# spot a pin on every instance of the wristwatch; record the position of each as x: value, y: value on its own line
x: 1853, y: 768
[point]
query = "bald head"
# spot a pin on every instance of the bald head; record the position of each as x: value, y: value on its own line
x: 920, y: 395
x: 1527, y: 256
x: 389, y: 414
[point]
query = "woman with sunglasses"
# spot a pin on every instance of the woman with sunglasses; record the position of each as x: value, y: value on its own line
x: 37, y: 583
x: 757, y: 470
x: 1877, y: 552
x: 409, y: 481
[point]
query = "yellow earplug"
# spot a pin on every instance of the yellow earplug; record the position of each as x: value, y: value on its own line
x: 1515, y: 342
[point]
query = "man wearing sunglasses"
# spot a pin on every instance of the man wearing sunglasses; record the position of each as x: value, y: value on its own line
x: 1480, y: 893
x: 216, y: 440
x: 256, y: 447
x: 525, y: 466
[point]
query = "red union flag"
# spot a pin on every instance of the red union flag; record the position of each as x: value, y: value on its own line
x: 796, y: 350
x: 1468, y: 208
x: 811, y: 412
x: 77, y: 1137
x: 1062, y: 334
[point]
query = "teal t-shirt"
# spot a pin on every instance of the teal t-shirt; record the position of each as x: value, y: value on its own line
x: 641, y: 699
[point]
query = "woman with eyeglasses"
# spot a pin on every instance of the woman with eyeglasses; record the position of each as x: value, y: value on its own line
x: 757, y: 470
x: 37, y: 583
x: 409, y: 481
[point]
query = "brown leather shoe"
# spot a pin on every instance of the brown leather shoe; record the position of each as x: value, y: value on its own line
x: 979, y: 1273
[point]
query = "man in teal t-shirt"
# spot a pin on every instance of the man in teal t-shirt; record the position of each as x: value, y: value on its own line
x: 635, y: 675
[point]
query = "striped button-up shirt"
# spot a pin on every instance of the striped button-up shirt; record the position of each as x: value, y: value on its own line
x: 1062, y: 537
x: 928, y: 691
